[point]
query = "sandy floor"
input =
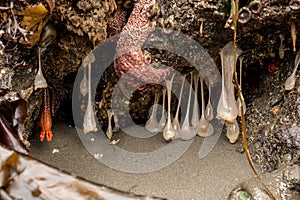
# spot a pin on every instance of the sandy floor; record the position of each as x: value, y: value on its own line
x: 189, y: 177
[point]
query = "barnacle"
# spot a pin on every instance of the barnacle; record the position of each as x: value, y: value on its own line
x: 169, y: 25
x: 153, y: 10
x: 147, y: 57
x: 244, y: 15
x: 255, y: 6
x: 294, y: 4
x: 160, y: 22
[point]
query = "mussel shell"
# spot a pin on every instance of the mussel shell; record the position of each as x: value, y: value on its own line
x: 48, y: 36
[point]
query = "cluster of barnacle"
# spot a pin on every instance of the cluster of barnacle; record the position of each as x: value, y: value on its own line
x: 174, y: 15
x: 257, y: 7
x: 92, y: 23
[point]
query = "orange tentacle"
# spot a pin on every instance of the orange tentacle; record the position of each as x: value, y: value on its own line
x: 46, y: 121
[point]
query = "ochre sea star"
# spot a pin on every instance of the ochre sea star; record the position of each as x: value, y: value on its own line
x: 130, y: 64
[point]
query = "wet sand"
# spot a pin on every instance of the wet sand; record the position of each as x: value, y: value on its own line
x: 189, y: 177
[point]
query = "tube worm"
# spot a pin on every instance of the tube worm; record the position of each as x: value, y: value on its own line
x: 46, y: 121
x: 109, y: 131
x: 39, y: 81
x: 116, y: 120
x: 152, y: 123
x: 294, y: 35
x: 294, y: 4
x: 162, y: 121
x: 201, y: 27
x: 291, y: 80
x: 255, y: 6
x: 83, y: 84
x: 47, y: 37
x: 175, y: 123
x: 244, y: 15
x: 89, y: 123
x: 209, y: 111
x: 204, y: 128
x: 227, y: 108
x: 186, y: 133
x: 195, y: 115
x: 168, y: 132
